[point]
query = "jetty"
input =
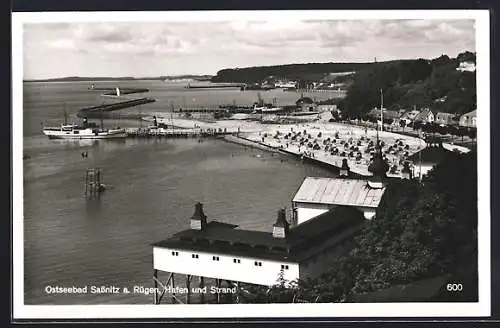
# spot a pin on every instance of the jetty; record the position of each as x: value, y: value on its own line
x: 99, y: 110
x: 96, y: 111
x: 216, y: 86
x: 123, y: 91
x: 175, y: 133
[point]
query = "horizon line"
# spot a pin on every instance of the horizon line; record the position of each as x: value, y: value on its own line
x: 194, y: 74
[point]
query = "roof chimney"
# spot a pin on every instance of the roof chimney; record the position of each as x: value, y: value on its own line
x: 281, y: 226
x: 344, y: 169
x: 199, y: 219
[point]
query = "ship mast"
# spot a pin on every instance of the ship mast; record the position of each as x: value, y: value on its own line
x: 65, y: 115
x: 102, y: 121
x: 171, y: 114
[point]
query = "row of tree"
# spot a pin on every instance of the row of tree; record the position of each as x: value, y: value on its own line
x: 422, y: 229
x: 303, y: 72
x: 454, y: 130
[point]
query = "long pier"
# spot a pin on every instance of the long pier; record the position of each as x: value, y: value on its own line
x: 215, y: 86
x: 123, y: 91
x: 175, y: 133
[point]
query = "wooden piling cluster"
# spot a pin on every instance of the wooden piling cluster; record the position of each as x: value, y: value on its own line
x: 93, y: 184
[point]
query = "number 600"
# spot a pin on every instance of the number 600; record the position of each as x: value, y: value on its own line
x: 454, y: 287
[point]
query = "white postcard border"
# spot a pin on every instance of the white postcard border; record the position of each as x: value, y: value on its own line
x: 481, y: 308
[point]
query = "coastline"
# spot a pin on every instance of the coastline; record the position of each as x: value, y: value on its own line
x: 355, y: 143
x: 265, y: 140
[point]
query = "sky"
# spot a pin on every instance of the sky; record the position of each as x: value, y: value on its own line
x: 142, y: 49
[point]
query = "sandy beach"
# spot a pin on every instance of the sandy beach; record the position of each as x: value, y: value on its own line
x: 320, y: 140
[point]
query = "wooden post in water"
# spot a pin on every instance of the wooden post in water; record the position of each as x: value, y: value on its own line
x: 93, y: 182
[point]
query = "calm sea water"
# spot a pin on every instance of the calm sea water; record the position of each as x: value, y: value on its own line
x: 73, y: 241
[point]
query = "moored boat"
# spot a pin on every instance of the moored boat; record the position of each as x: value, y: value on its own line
x: 86, y: 131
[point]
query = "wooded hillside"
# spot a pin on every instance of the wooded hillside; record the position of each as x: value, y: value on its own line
x: 435, y: 83
x: 302, y: 72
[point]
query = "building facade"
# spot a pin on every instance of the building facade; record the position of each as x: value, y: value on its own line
x: 409, y: 116
x: 445, y: 119
x: 305, y: 104
x: 468, y: 120
x: 425, y: 116
x: 219, y: 250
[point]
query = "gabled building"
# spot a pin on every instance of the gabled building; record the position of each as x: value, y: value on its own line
x: 409, y: 116
x: 445, y: 119
x: 305, y: 104
x: 425, y: 116
x: 468, y: 120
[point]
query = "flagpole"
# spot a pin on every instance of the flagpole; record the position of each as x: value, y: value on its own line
x: 381, y: 109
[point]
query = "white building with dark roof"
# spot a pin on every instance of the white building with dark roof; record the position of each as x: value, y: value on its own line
x: 224, y: 252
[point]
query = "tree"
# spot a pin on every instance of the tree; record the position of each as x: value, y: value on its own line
x: 409, y: 82
x: 402, y: 123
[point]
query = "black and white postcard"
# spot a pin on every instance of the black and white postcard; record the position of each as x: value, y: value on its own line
x: 263, y: 164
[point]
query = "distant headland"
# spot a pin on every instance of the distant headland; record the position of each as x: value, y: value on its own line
x: 121, y: 78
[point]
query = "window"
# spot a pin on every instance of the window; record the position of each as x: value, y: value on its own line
x: 236, y: 261
x: 284, y: 267
x: 215, y: 258
x: 194, y: 256
x: 175, y: 253
x: 257, y: 263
